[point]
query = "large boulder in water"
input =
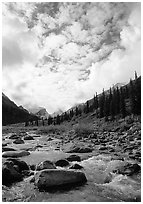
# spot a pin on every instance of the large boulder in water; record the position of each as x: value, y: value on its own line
x: 80, y: 150
x: 28, y: 137
x: 15, y: 154
x: 5, y: 149
x: 74, y: 157
x: 18, y: 141
x: 76, y: 166
x: 45, y: 165
x: 21, y: 164
x: 10, y: 174
x: 51, y: 179
x: 14, y: 137
x: 62, y: 163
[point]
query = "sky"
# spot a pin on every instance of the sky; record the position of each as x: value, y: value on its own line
x: 57, y: 55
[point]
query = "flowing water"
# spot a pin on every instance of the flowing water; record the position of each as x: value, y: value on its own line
x: 101, y: 186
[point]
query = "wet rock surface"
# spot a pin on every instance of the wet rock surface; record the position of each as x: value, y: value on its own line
x: 62, y: 162
x: 15, y: 154
x: 47, y: 179
x: 74, y: 157
x: 10, y: 173
x: 109, y: 159
x: 45, y: 165
x: 18, y: 141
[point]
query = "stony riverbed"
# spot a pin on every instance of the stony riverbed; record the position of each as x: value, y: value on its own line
x: 110, y: 160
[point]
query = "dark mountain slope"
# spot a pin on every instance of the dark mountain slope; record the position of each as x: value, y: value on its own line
x: 11, y: 113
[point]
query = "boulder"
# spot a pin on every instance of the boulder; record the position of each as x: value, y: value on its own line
x: 18, y: 141
x: 51, y: 179
x: 28, y: 137
x: 103, y: 148
x: 108, y: 178
x: 77, y: 149
x: 15, y: 154
x: 45, y: 165
x: 33, y: 167
x: 74, y: 158
x: 76, y: 166
x: 4, y: 144
x: 21, y: 164
x: 5, y: 149
x: 14, y: 137
x: 128, y: 169
x: 62, y: 162
x: 9, y: 174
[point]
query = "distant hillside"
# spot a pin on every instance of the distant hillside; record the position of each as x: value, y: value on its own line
x: 11, y: 113
x: 120, y: 100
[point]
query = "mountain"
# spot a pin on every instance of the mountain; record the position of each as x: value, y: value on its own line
x: 34, y: 109
x: 42, y: 113
x: 21, y: 107
x: 11, y: 113
x: 59, y: 112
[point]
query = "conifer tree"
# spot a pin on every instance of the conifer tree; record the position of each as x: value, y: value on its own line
x: 58, y: 120
x: 101, y: 104
x: 122, y: 104
x: 112, y: 109
x: 87, y: 107
x: 117, y: 101
x: 76, y: 111
x: 132, y: 97
x: 106, y: 109
x: 50, y: 120
x: 95, y: 102
x: 136, y: 75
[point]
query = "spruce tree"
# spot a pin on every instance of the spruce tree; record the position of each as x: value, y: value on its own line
x: 106, y: 111
x: 101, y: 104
x: 122, y: 104
x: 87, y: 107
x: 132, y: 97
x: 76, y: 111
x: 58, y: 120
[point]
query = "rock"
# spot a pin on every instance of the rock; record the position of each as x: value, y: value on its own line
x: 75, y: 166
x: 49, y: 139
x: 62, y: 162
x: 76, y: 149
x: 128, y: 169
x: 33, y: 167
x: 5, y: 149
x: 45, y: 165
x: 108, y: 178
x: 103, y: 148
x: 21, y: 164
x: 16, y: 168
x: 9, y: 173
x: 38, y: 146
x: 14, y: 137
x: 28, y: 137
x: 18, y: 141
x: 15, y: 154
x: 74, y: 158
x: 4, y: 144
x: 51, y: 179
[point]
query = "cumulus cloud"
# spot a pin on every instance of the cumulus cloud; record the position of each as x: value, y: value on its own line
x: 66, y: 52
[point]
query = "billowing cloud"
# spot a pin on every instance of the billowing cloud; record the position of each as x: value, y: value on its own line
x: 59, y: 54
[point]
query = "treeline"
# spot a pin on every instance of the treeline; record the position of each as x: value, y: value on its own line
x: 121, y: 101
